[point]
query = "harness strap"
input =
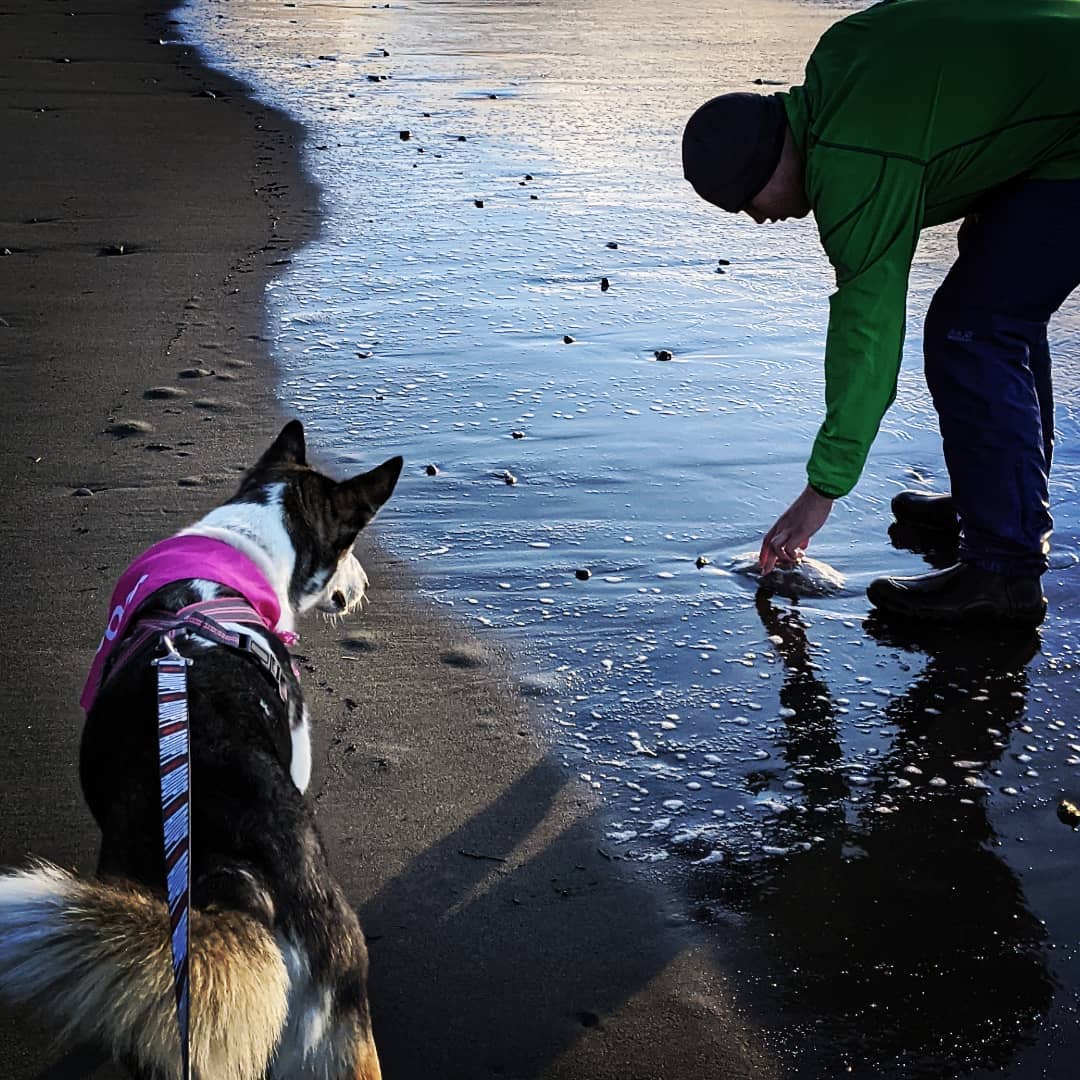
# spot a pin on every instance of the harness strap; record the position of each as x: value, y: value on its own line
x: 204, y: 619
x: 173, y: 763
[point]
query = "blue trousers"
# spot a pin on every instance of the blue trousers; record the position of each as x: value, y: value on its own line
x: 988, y: 368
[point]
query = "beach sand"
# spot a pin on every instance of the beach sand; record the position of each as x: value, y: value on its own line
x: 504, y: 940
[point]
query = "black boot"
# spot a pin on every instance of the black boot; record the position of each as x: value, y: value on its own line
x: 961, y: 594
x: 926, y: 510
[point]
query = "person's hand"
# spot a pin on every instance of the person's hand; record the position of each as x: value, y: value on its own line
x: 786, y: 541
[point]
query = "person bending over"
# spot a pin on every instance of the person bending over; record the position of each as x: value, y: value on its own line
x: 914, y: 113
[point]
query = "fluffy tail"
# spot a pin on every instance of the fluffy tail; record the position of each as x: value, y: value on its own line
x: 94, y: 958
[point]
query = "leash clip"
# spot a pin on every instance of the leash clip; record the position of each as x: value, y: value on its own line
x: 172, y: 656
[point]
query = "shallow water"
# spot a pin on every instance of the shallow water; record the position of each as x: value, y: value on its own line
x: 793, y: 761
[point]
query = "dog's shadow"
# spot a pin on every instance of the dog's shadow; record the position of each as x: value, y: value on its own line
x: 484, y: 968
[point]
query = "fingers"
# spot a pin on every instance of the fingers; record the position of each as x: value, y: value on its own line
x: 781, y: 545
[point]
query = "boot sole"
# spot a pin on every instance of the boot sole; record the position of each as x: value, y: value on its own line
x: 968, y: 613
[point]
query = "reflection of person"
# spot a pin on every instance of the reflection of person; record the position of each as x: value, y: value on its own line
x: 900, y: 942
x: 914, y: 113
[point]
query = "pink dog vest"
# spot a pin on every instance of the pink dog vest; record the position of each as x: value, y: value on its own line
x: 181, y: 558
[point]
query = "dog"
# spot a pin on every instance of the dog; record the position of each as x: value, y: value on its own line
x: 278, y: 964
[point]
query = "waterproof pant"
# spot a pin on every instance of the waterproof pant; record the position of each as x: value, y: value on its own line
x: 988, y: 368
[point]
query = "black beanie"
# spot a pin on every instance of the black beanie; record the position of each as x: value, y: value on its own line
x: 731, y: 146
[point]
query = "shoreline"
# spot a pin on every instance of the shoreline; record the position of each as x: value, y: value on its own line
x: 543, y: 957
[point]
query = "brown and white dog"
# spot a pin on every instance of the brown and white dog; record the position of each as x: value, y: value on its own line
x: 278, y: 960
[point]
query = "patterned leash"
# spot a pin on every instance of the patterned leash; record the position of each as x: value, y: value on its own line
x: 173, y: 744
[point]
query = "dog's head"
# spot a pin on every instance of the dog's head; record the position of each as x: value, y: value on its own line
x: 313, y: 521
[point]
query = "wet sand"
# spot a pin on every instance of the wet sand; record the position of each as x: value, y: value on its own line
x: 504, y: 940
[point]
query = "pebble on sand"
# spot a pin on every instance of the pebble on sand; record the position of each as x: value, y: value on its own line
x: 1069, y: 813
x: 517, y: 434
x: 195, y: 373
x: 163, y: 392
x: 509, y: 478
x: 431, y: 470
x: 662, y: 354
x: 405, y: 135
x: 567, y: 339
x: 701, y: 561
x: 604, y: 284
x: 478, y: 203
x: 611, y: 244
x: 583, y: 573
x: 83, y: 492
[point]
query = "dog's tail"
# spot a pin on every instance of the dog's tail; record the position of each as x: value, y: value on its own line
x: 94, y: 958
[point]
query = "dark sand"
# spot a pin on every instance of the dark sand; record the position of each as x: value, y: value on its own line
x: 556, y: 961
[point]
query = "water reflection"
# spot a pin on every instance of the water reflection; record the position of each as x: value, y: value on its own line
x: 900, y: 942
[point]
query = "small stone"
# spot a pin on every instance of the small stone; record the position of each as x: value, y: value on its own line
x: 604, y: 284
x: 478, y: 203
x: 493, y: 97
x: 701, y: 561
x: 528, y: 176
x: 325, y: 56
x: 1069, y: 813
x: 662, y: 354
x: 517, y: 434
x: 431, y: 470
x: 509, y: 478
x: 723, y: 262
x: 567, y: 339
x: 154, y: 393
x: 583, y: 573
x: 373, y: 78
x: 83, y: 492
x: 404, y: 136
x: 195, y: 373
x: 611, y: 244
x: 111, y: 250
x: 534, y: 196
x: 461, y: 138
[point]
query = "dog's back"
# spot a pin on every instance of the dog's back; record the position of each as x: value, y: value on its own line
x: 278, y: 960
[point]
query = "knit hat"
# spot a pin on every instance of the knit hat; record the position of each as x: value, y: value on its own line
x: 731, y: 147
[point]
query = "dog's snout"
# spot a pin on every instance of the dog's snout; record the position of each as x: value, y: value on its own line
x: 337, y: 598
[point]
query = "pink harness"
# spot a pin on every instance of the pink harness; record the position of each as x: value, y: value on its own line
x: 181, y: 558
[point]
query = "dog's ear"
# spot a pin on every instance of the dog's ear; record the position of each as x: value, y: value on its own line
x: 287, y: 449
x: 358, y: 500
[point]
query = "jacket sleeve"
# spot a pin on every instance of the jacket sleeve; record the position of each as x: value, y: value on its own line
x: 869, y: 211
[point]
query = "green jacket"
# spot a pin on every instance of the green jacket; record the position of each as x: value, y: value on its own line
x: 911, y: 110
